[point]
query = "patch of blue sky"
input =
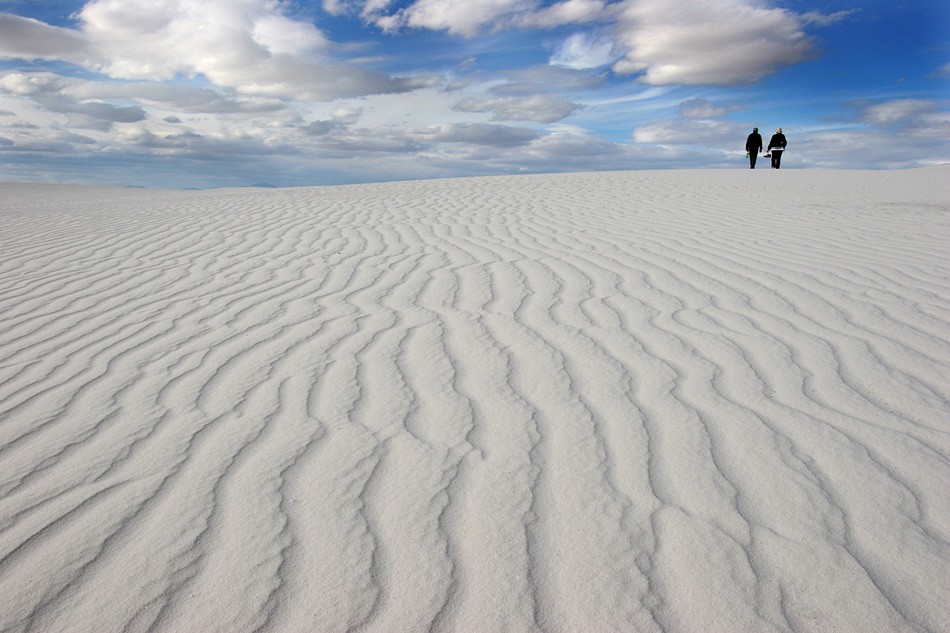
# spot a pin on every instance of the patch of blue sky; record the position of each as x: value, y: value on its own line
x: 54, y: 12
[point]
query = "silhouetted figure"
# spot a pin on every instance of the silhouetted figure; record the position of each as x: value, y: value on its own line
x: 753, y: 145
x: 777, y: 148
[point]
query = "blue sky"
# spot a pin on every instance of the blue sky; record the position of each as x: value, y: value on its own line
x: 208, y: 93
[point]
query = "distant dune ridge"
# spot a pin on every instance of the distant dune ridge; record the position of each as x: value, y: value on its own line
x: 689, y: 401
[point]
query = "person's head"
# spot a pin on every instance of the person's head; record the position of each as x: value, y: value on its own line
x: 755, y: 129
x: 778, y: 131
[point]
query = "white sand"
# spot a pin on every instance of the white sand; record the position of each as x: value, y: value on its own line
x: 710, y: 401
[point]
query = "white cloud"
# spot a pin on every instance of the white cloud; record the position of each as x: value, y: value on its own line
x: 697, y: 132
x: 919, y: 120
x: 25, y: 38
x: 283, y: 36
x: 567, y: 12
x: 826, y: 19
x: 469, y: 17
x: 898, y: 111
x: 247, y: 45
x: 701, y: 109
x: 460, y: 17
x: 477, y: 134
x: 719, y: 42
x: 52, y: 93
x: 540, y: 108
x: 584, y: 50
x: 546, y: 79
x: 30, y: 83
x: 868, y: 149
x: 180, y: 98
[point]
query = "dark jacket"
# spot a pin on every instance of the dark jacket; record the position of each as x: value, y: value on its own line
x: 778, y: 142
x: 753, y: 144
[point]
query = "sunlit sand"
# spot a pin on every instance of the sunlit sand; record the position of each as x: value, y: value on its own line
x: 691, y: 401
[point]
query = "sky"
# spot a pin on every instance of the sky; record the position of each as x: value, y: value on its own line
x: 220, y: 93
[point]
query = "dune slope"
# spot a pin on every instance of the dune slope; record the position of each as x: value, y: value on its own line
x: 644, y: 401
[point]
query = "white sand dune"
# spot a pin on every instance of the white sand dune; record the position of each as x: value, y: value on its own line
x: 699, y: 401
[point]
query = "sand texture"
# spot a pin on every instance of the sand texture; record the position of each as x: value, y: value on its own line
x: 684, y: 401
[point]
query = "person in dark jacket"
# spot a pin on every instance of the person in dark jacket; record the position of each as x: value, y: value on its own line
x: 753, y: 145
x: 777, y: 148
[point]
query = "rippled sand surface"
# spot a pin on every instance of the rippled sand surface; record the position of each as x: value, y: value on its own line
x: 684, y: 401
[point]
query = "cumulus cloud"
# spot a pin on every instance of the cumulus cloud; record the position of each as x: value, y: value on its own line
x: 247, y: 45
x: 157, y: 39
x: 540, y: 108
x: 719, y: 42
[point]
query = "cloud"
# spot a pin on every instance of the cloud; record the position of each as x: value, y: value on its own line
x: 242, y: 44
x: 584, y: 50
x: 181, y: 98
x: 478, y: 134
x: 922, y: 120
x: 868, y: 149
x: 826, y: 19
x: 340, y: 119
x: 540, y: 108
x: 25, y: 38
x: 716, y: 42
x: 566, y: 12
x: 250, y: 46
x: 696, y: 132
x: 51, y: 92
x: 459, y: 17
x: 697, y: 125
x: 898, y: 112
x: 701, y: 109
x: 545, y: 80
x: 469, y: 17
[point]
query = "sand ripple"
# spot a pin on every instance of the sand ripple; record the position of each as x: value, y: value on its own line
x: 596, y: 402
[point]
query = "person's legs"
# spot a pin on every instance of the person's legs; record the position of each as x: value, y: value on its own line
x: 752, y: 157
x: 777, y: 158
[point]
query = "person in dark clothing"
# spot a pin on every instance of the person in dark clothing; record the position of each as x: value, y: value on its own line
x: 753, y: 145
x: 777, y: 148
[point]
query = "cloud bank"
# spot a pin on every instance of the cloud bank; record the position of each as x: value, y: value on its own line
x: 258, y: 85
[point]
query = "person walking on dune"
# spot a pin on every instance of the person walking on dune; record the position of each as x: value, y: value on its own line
x: 777, y: 148
x: 753, y: 145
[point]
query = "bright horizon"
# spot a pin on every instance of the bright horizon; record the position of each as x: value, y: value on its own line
x: 240, y: 92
